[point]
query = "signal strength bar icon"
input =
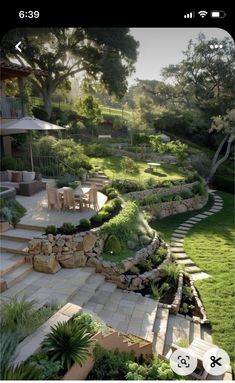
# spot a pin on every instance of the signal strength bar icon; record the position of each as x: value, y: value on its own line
x: 190, y: 15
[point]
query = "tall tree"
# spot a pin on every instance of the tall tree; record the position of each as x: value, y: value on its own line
x: 225, y: 126
x: 205, y: 77
x: 106, y: 54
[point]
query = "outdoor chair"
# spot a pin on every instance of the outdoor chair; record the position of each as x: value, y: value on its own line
x: 55, y: 200
x: 91, y: 198
x: 70, y: 200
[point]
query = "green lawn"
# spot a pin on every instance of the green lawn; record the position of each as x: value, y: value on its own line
x: 210, y: 244
x: 111, y: 166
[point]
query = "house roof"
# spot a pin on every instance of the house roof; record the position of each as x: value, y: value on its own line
x: 9, y: 70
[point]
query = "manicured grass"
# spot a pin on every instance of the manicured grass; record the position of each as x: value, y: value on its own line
x: 166, y: 226
x: 111, y: 166
x: 210, y: 244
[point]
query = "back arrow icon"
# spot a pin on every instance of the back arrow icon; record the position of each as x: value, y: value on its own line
x: 17, y: 46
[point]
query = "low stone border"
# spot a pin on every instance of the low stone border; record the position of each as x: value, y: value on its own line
x: 204, y: 319
x: 175, y: 306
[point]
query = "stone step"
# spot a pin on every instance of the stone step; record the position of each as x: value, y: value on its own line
x: 192, y: 269
x: 176, y: 244
x: 177, y: 239
x: 86, y: 292
x: 201, y: 216
x: 16, y: 275
x: 30, y: 227
x: 177, y: 236
x: 200, y: 275
x: 14, y: 246
x: 21, y: 234
x: 176, y: 249
x: 178, y: 329
x: 99, y: 178
x: 185, y: 225
x: 160, y: 329
x: 9, y: 262
x: 186, y: 262
x: 194, y: 220
x: 180, y: 256
x: 180, y: 231
x: 195, y: 331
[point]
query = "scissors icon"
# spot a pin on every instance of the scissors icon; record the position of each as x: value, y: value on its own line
x: 215, y: 361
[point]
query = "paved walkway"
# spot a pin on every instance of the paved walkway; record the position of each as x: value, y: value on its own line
x: 178, y: 236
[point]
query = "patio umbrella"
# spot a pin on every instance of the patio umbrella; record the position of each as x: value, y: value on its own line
x: 28, y: 124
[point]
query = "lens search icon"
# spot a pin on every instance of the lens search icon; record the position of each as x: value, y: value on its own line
x: 183, y: 361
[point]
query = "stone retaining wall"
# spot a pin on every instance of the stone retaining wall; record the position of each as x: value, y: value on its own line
x: 139, y: 195
x: 165, y: 209
x: 49, y: 253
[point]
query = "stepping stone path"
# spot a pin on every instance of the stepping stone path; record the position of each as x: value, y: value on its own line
x: 177, y: 239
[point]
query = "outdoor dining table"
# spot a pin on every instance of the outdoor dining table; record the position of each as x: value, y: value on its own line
x: 152, y: 165
x: 78, y: 192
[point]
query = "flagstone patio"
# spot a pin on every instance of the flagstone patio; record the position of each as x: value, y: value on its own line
x: 38, y: 213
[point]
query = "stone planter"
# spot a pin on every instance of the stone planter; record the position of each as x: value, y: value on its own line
x: 4, y: 226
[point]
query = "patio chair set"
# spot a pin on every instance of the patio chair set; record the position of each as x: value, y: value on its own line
x: 67, y: 198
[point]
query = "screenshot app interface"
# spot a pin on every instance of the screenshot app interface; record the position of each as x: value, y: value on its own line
x: 117, y: 197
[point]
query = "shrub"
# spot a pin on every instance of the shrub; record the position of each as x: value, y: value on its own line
x: 96, y: 149
x: 117, y: 202
x: 151, y: 182
x: 104, y: 215
x: 151, y: 200
x: 86, y: 322
x: 187, y: 293
x: 67, y: 228
x: 110, y: 365
x: 112, y: 245
x: 121, y: 224
x: 155, y: 370
x: 185, y: 194
x: 186, y: 308
x: 51, y: 229
x: 109, y: 207
x: 145, y: 240
x: 16, y: 313
x: 199, y: 189
x: 97, y: 219
x: 67, y: 180
x: 9, y: 340
x: 49, y: 369
x: 177, y: 197
x: 172, y: 272
x: 13, y: 211
x: 159, y: 292
x: 129, y: 166
x: 167, y: 198
x: 67, y: 343
x: 127, y: 186
x: 85, y: 223
x: 145, y: 265
x: 113, y: 194
x: 9, y: 163
x: 2, y: 203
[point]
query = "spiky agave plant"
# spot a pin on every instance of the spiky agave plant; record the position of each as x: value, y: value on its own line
x: 67, y: 342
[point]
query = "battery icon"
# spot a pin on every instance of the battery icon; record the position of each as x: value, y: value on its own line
x: 218, y: 14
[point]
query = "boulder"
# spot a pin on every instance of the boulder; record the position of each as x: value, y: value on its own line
x: 60, y: 242
x: 46, y: 264
x: 35, y: 246
x: 89, y: 242
x: 181, y: 208
x: 46, y: 247
x: 79, y: 242
x: 79, y: 259
x: 94, y: 262
x: 136, y: 283
x: 145, y: 239
x: 50, y: 237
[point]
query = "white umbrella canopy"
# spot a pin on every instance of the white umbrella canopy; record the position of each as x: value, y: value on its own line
x: 28, y: 124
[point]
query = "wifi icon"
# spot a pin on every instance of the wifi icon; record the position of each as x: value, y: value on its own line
x: 202, y: 13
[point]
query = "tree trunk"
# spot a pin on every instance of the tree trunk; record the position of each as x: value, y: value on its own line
x: 215, y: 162
x: 47, y: 103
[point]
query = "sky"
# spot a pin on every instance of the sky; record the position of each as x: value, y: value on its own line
x: 160, y: 47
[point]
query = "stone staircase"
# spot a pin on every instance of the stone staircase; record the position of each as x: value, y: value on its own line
x: 177, y: 239
x: 100, y: 180
x: 169, y: 328
x: 13, y: 246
